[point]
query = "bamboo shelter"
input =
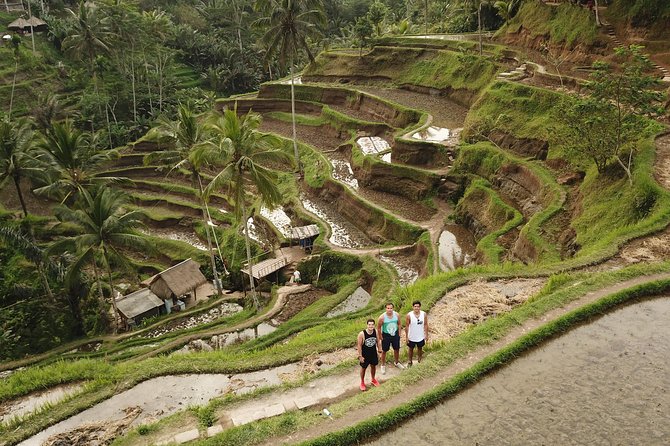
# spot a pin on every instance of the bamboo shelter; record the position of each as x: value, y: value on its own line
x: 177, y: 281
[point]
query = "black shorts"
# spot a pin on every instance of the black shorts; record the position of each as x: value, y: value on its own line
x: 374, y: 360
x: 388, y: 341
x: 420, y: 344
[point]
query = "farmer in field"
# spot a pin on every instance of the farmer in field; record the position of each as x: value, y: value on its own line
x: 368, y: 347
x: 416, y: 331
x: 389, y: 325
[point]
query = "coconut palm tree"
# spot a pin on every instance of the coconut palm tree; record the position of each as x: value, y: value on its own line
x: 103, y: 227
x: 188, y: 151
x: 17, y: 155
x: 72, y: 160
x: 287, y: 25
x: 89, y: 37
x: 245, y: 150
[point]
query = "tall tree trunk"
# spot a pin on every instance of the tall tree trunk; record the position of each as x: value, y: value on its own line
x: 96, y: 273
x: 597, y: 14
x: 132, y: 79
x: 479, y: 27
x: 117, y: 315
x: 203, y: 205
x: 250, y: 264
x: 11, y: 97
x: 296, y: 153
x: 17, y: 182
x: 146, y: 72
x: 425, y: 16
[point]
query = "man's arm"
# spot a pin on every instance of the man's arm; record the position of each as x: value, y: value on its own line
x: 359, y: 346
x: 407, y: 322
x: 425, y: 327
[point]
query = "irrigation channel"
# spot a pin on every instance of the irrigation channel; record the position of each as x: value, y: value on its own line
x: 603, y: 383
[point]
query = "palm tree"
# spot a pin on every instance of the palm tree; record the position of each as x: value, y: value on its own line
x: 89, y: 37
x: 73, y: 160
x: 287, y: 25
x: 189, y: 150
x: 244, y: 150
x: 16, y: 43
x: 17, y: 155
x: 102, y: 227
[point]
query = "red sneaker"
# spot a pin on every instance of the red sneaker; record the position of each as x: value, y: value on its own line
x: 362, y: 386
x: 375, y: 383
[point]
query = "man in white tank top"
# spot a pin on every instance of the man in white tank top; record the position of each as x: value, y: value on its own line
x: 416, y: 331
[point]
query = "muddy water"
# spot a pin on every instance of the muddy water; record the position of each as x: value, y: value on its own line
x: 163, y: 396
x: 443, y: 135
x: 179, y: 234
x: 343, y: 232
x: 456, y: 247
x: 356, y: 301
x: 343, y: 173
x: 601, y: 384
x: 279, y: 220
x: 373, y: 145
x: 407, y: 273
x: 34, y: 402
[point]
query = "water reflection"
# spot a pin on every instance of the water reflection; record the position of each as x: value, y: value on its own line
x: 279, y: 219
x: 373, y: 145
x: 456, y: 247
x: 343, y: 173
x: 343, y: 233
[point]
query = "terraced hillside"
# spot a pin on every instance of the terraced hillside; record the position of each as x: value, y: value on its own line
x: 430, y: 178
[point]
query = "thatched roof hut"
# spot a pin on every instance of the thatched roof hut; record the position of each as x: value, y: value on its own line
x: 24, y: 25
x: 176, y: 281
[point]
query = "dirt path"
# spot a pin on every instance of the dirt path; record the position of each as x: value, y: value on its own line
x: 420, y: 387
x: 662, y: 163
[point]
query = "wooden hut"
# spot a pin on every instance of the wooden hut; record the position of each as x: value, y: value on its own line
x: 137, y: 306
x: 305, y: 235
x: 177, y: 282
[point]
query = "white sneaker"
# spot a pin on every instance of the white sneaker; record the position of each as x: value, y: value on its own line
x: 383, y: 370
x: 399, y: 365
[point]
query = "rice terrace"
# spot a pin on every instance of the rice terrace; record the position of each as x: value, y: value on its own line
x: 222, y: 222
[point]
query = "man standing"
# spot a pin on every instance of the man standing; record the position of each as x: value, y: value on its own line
x: 389, y: 325
x: 416, y: 331
x: 368, y: 346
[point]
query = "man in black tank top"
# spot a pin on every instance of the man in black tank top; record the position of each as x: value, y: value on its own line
x: 369, y: 345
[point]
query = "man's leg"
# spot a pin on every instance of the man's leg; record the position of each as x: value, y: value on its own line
x: 410, y: 354
x: 419, y: 353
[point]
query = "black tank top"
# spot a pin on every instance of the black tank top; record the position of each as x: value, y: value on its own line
x: 369, y: 348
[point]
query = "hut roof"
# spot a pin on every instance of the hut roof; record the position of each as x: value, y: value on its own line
x: 138, y: 303
x: 303, y: 232
x: 19, y: 23
x: 177, y: 280
x: 266, y: 267
x: 23, y: 24
x: 35, y: 22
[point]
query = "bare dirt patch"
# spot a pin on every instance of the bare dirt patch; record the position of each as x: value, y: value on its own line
x: 476, y: 302
x: 297, y: 302
x: 99, y: 434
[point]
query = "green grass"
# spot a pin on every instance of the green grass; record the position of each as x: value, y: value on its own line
x: 503, y: 216
x: 427, y: 68
x: 566, y: 24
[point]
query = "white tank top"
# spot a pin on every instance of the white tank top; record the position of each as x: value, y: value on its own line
x: 416, y: 333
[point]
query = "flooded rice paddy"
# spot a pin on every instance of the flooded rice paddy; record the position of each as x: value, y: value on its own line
x: 343, y: 173
x: 223, y: 310
x: 373, y: 145
x: 176, y: 233
x: 456, y: 247
x: 343, y: 232
x: 279, y: 220
x: 358, y: 300
x: 160, y: 397
x: 600, y: 384
x: 448, y: 137
x: 36, y: 401
x: 407, y: 272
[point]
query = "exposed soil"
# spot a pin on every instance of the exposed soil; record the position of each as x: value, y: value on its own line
x: 477, y: 301
x: 446, y: 113
x: 315, y: 136
x: 35, y: 204
x: 98, y: 434
x: 398, y: 205
x: 297, y: 302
